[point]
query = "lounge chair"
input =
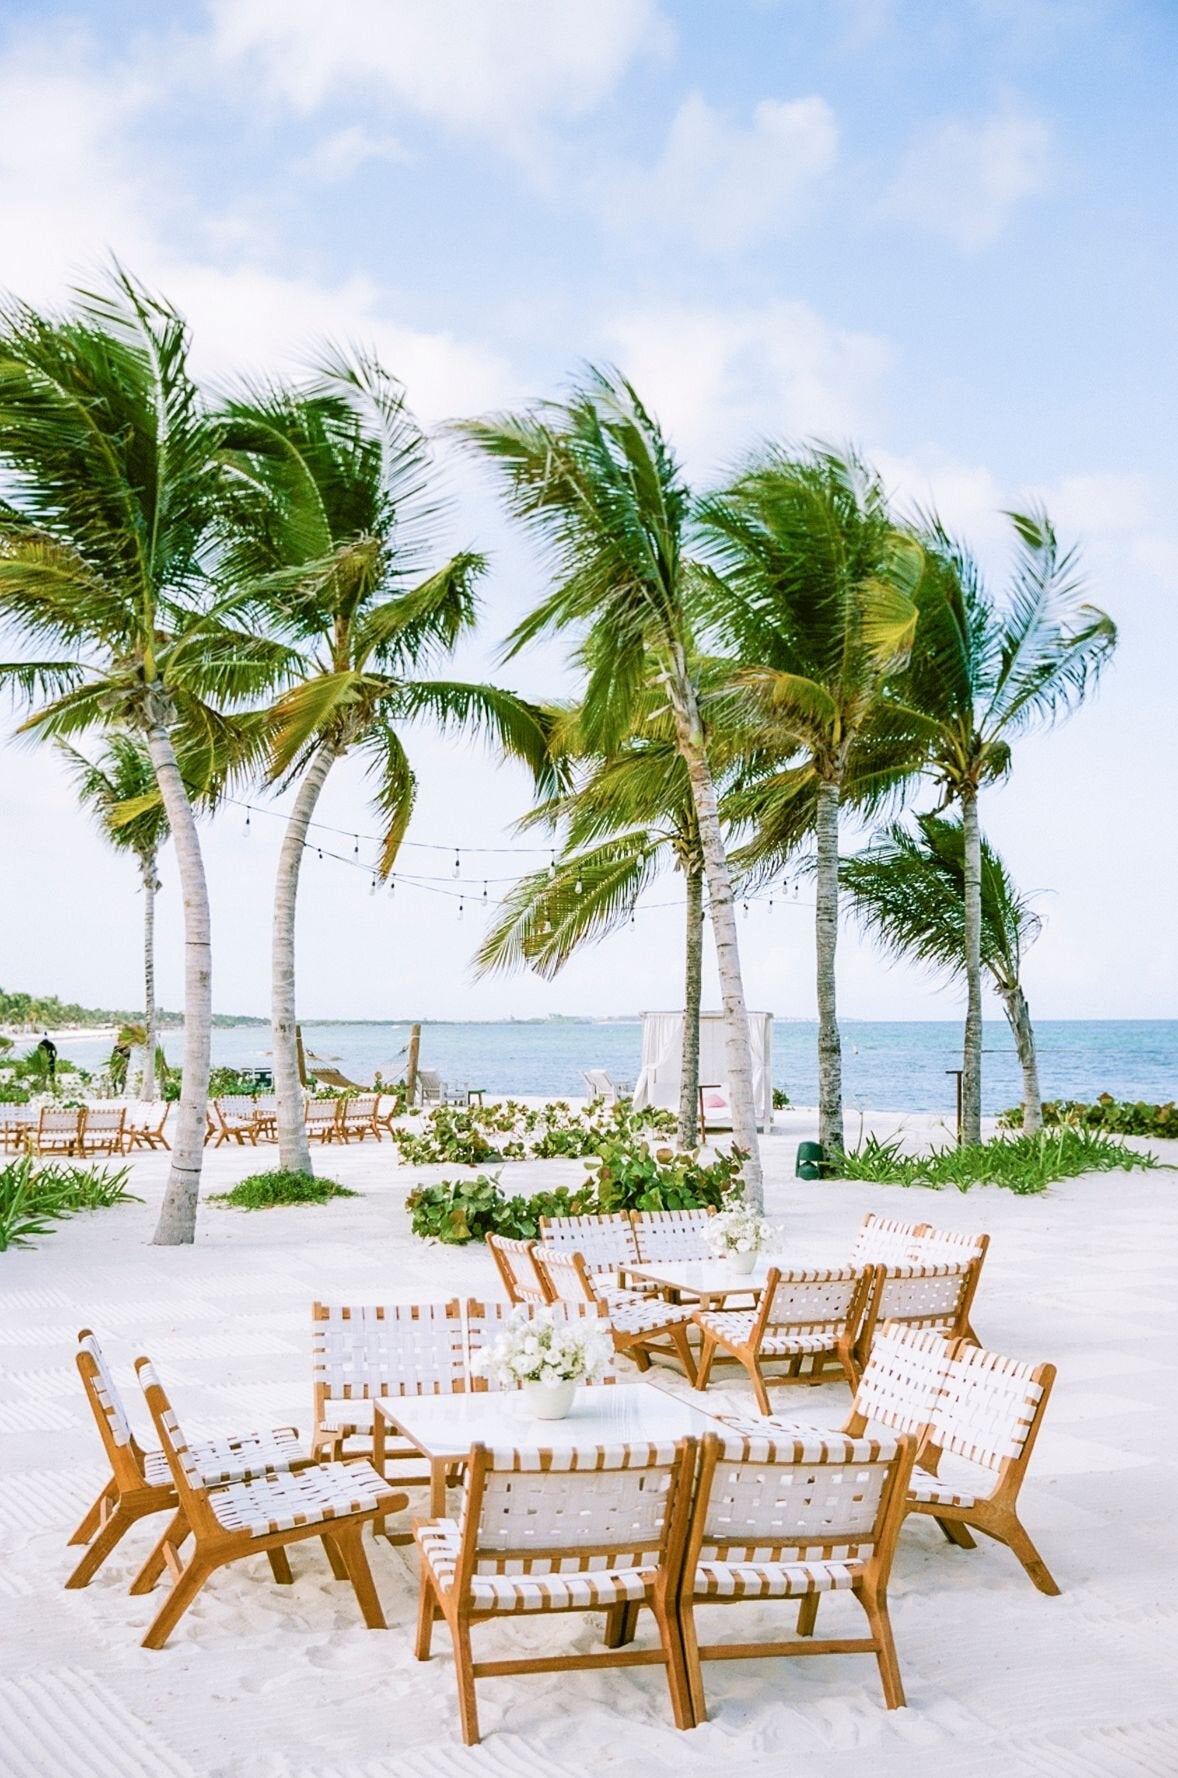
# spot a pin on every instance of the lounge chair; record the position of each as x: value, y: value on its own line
x: 639, y: 1325
x: 515, y: 1261
x: 922, y: 1296
x: 602, y: 1085
x: 431, y: 1087
x: 357, y: 1117
x: 146, y: 1120
x: 321, y: 1119
x: 59, y: 1130
x: 104, y: 1130
x: 803, y: 1314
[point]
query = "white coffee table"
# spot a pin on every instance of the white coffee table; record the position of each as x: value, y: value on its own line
x: 444, y: 1427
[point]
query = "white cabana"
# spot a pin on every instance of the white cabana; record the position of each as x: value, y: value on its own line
x: 662, y: 1050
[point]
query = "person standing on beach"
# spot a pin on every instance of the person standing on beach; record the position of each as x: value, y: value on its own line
x: 48, y: 1049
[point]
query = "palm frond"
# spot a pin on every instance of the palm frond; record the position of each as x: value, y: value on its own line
x: 549, y: 914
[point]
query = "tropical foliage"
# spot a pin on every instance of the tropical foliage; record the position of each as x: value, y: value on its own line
x: 269, y: 1191
x: 36, y: 1194
x: 1120, y: 1117
x: 1021, y: 1164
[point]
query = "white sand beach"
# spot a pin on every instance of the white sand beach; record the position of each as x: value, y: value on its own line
x: 276, y: 1682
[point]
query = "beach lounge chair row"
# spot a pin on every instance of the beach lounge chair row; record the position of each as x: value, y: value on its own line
x: 242, y: 1119
x: 110, y: 1127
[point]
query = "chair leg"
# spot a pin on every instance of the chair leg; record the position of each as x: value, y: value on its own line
x: 96, y: 1514
x: 280, y: 1566
x: 678, y: 1684
x: 338, y: 1565
x: 428, y: 1611
x: 703, y: 1369
x: 684, y: 1353
x: 155, y: 1564
x: 351, y: 1544
x: 958, y: 1534
x: 808, y: 1614
x: 115, y: 1529
x: 1012, y: 1533
x: 694, y: 1666
x: 620, y: 1624
x: 464, y: 1666
x: 758, y: 1382
x: 889, y: 1666
x: 640, y: 1356
x: 177, y: 1602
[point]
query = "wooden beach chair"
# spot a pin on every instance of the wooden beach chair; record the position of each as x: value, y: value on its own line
x: 60, y: 1129
x: 357, y: 1117
x: 600, y: 1085
x: 640, y: 1326
x: 780, y: 1517
x: 606, y: 1243
x: 886, y: 1241
x: 233, y: 1120
x: 430, y: 1087
x: 140, y: 1481
x: 552, y: 1531
x: 331, y: 1501
x: 321, y: 1120
x: 515, y: 1261
x: 664, y: 1236
x: 18, y: 1126
x: 104, y: 1130
x: 802, y: 1314
x: 146, y: 1120
x: 923, y: 1296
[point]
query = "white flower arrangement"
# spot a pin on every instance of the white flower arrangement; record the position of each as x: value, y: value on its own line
x: 536, y: 1347
x: 739, y: 1229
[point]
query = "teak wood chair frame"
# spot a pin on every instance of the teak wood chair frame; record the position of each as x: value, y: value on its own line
x: 640, y: 1326
x: 924, y: 1296
x: 515, y: 1261
x: 810, y: 1313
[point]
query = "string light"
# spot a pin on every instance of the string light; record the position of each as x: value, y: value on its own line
x: 552, y: 866
x: 580, y: 886
x: 356, y: 847
x: 457, y: 865
x: 247, y: 824
x: 461, y: 907
x: 484, y: 890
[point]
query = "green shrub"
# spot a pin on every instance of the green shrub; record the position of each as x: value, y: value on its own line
x: 1119, y: 1117
x: 34, y: 1195
x: 461, y: 1134
x: 265, y: 1191
x: 780, y: 1098
x: 1022, y: 1164
x: 449, y: 1133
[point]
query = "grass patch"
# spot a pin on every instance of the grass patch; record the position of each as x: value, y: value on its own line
x: 34, y: 1196
x: 1022, y: 1164
x: 265, y: 1191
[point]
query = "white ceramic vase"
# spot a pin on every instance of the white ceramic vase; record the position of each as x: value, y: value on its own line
x: 549, y: 1401
x: 740, y: 1262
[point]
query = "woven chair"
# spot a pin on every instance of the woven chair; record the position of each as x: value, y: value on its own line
x: 17, y: 1128
x: 923, y: 1296
x: 639, y: 1325
x: 332, y: 1501
x: 60, y: 1130
x: 357, y: 1117
x: 945, y: 1247
x: 981, y: 1428
x: 606, y: 1243
x: 885, y: 1241
x: 430, y: 1086
x: 793, y: 1518
x: 542, y: 1531
x: 233, y: 1122
x: 803, y: 1314
x: 486, y: 1321
x: 515, y: 1262
x: 145, y: 1124
x: 669, y: 1235
x: 140, y: 1481
x: 321, y: 1120
x: 104, y: 1130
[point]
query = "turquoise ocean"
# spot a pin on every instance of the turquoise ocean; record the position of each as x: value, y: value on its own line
x: 887, y: 1066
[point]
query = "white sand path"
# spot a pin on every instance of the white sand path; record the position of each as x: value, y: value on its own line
x: 268, y: 1682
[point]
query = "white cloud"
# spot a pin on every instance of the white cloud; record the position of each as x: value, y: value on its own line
x: 963, y: 180
x: 498, y: 70
x: 720, y: 183
x: 722, y: 378
x: 338, y: 155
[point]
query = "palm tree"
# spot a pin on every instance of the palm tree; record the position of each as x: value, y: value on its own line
x: 814, y: 592
x: 122, y: 774
x: 596, y: 481
x: 329, y: 517
x: 908, y: 891
x: 984, y: 671
x: 110, y: 462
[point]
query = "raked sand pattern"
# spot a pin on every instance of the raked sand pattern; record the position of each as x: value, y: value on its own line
x: 268, y: 1682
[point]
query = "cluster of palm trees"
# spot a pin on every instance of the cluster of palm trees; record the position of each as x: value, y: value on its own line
x: 250, y: 590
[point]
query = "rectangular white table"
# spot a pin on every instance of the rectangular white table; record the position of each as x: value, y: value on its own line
x: 444, y: 1427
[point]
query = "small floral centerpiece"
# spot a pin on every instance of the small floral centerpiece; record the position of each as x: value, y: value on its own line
x: 548, y: 1355
x: 738, y: 1234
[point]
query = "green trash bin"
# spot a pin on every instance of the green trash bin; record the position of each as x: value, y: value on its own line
x: 809, y: 1161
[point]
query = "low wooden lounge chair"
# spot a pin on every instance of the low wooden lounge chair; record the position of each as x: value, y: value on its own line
x: 515, y: 1261
x: 886, y: 1241
x: 332, y: 1501
x: 145, y: 1124
x: 357, y: 1117
x: 640, y: 1326
x: 606, y: 1243
x: 104, y: 1130
x: 233, y: 1121
x: 430, y: 1087
x: 321, y: 1119
x: 140, y: 1482
x: 803, y: 1314
x: 18, y: 1126
x: 787, y: 1518
x: 59, y: 1129
x: 923, y: 1296
x: 668, y: 1235
x: 544, y: 1531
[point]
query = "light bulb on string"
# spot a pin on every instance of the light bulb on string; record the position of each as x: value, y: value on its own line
x: 580, y: 887
x: 392, y: 888
x: 552, y: 866
x: 319, y: 850
x: 247, y: 823
x: 457, y: 865
x: 461, y: 907
x: 484, y: 891
x: 356, y: 846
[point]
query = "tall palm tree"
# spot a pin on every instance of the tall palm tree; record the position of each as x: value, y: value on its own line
x: 985, y: 670
x: 110, y: 464
x: 330, y: 518
x: 908, y: 890
x: 596, y: 481
x: 123, y: 774
x: 815, y: 594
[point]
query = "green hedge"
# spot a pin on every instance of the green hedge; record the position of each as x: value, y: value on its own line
x: 1119, y: 1117
x: 1025, y: 1165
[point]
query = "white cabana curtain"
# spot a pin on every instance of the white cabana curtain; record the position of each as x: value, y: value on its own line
x: 662, y: 1051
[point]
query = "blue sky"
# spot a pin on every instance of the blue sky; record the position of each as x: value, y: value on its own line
x: 944, y: 231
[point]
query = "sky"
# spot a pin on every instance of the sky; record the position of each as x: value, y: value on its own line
x: 946, y: 233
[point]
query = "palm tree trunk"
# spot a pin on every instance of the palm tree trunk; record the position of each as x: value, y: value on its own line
x: 147, y: 1085
x: 1018, y: 1015
x: 692, y: 994
x: 971, y: 1079
x: 690, y: 739
x: 294, y: 1151
x: 177, y: 1218
x: 826, y: 923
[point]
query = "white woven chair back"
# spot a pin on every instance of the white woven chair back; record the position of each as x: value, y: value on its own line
x: 103, y: 1393
x: 363, y: 1105
x: 885, y: 1241
x: 517, y: 1268
x: 146, y: 1114
x: 564, y: 1275
x: 946, y: 1247
x: 605, y: 1242
x: 486, y: 1321
x: 105, y: 1117
x: 811, y: 1496
x: 901, y: 1383
x: 364, y: 1350
x: 175, y: 1444
x: 237, y: 1105
x: 321, y: 1111
x: 925, y: 1296
x: 814, y: 1299
x: 986, y: 1407
x: 661, y: 1235
x: 608, y: 1504
x: 57, y: 1120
